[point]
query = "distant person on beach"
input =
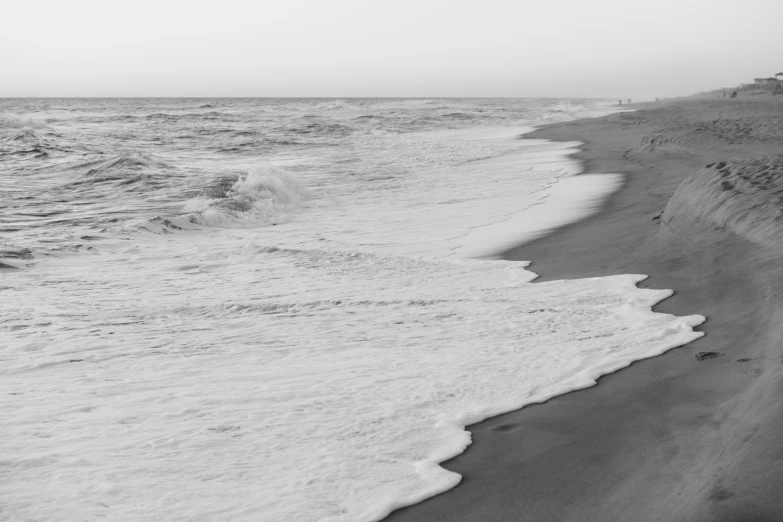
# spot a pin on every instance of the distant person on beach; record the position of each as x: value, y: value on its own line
x: 621, y: 102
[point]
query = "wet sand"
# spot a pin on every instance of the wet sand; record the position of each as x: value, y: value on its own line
x: 679, y: 437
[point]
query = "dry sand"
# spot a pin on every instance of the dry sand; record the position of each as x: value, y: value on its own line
x: 676, y: 437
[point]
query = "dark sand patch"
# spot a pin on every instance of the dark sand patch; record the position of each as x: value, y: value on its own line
x: 671, y: 438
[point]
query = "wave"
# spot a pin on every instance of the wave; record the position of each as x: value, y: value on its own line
x: 132, y: 159
x: 13, y: 253
x: 27, y: 140
x: 262, y: 197
x: 162, y: 116
x: 211, y: 115
x: 458, y: 116
x: 16, y: 253
x: 20, y: 135
x: 125, y: 169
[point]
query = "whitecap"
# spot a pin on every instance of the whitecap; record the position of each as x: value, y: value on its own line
x: 264, y: 196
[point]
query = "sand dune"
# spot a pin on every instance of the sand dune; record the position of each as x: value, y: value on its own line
x: 742, y: 196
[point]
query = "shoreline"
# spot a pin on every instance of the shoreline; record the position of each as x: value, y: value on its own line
x: 567, y: 199
x: 672, y: 437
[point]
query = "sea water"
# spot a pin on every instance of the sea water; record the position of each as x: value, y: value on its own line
x: 284, y: 309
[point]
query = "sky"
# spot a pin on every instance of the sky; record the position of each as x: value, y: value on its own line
x: 406, y: 48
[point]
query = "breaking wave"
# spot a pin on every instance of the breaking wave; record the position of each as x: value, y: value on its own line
x: 261, y: 197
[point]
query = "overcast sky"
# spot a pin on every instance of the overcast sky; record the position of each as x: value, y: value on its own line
x: 576, y: 48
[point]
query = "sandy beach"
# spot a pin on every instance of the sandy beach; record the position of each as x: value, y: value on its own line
x: 695, y: 434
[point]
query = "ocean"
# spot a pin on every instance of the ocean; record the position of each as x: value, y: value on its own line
x: 284, y: 309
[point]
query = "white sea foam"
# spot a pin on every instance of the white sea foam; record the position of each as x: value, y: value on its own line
x: 185, y: 381
x: 263, y: 196
x: 216, y: 367
x: 467, y: 193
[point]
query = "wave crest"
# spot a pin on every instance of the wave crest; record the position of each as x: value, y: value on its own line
x: 133, y: 159
x: 261, y: 197
x: 124, y: 169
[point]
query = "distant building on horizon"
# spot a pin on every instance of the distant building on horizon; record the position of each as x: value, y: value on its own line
x: 767, y: 82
